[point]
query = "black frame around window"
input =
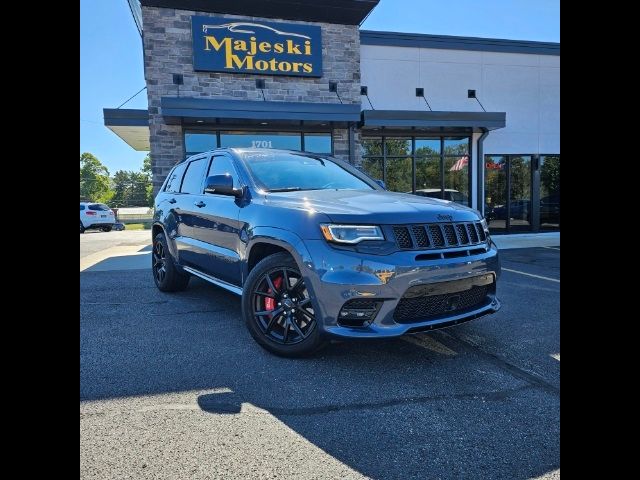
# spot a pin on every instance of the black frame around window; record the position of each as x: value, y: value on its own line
x: 257, y: 130
x: 442, y: 155
x: 534, y: 194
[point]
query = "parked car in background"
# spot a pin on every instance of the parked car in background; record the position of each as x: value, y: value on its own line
x: 317, y: 249
x: 550, y: 209
x: 449, y: 194
x: 96, y: 215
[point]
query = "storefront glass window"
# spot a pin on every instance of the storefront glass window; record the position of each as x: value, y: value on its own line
x: 427, y: 147
x: 456, y: 179
x: 371, y: 146
x: 373, y: 166
x: 520, y: 195
x: 550, y: 191
x: 428, y: 176
x: 399, y: 174
x: 404, y: 159
x: 199, y: 142
x: 288, y: 141
x: 495, y: 188
x: 397, y: 146
x: 317, y: 143
x: 456, y: 146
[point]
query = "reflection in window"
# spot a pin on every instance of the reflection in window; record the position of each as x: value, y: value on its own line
x: 456, y: 146
x: 371, y: 146
x: 550, y: 191
x: 428, y: 177
x: 287, y: 141
x: 428, y: 158
x: 373, y: 167
x: 520, y: 195
x: 317, y: 143
x: 397, y: 146
x: 456, y: 179
x: 495, y: 187
x: 199, y: 142
x: 427, y: 147
x: 399, y: 175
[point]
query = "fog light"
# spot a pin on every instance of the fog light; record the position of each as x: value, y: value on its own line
x: 358, y: 313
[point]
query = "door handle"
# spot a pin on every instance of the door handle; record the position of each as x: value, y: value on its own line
x: 173, y: 200
x: 199, y: 204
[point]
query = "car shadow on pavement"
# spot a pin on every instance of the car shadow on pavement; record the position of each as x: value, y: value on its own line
x: 430, y: 407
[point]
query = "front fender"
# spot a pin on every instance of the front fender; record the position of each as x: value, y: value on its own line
x: 286, y: 239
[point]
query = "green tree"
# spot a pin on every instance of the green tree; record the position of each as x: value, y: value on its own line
x: 550, y: 175
x: 148, y: 172
x: 94, y: 179
x: 130, y: 189
x: 133, y: 189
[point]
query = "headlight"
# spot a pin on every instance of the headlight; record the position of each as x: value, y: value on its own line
x: 350, y: 233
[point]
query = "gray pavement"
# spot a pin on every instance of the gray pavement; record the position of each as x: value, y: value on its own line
x: 173, y: 386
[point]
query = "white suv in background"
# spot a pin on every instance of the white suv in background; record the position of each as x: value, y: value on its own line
x: 96, y: 215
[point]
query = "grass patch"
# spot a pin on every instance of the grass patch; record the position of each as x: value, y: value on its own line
x: 137, y: 226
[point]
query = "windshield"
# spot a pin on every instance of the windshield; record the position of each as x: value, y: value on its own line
x: 283, y: 171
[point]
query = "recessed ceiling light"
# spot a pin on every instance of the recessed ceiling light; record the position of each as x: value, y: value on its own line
x: 263, y: 123
x: 199, y: 121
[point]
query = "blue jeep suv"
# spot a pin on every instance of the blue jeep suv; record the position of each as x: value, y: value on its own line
x: 317, y: 249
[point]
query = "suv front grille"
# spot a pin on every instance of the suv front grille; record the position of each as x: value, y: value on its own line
x: 438, y: 235
x: 415, y: 309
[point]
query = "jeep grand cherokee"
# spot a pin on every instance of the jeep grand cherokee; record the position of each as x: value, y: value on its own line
x: 317, y: 249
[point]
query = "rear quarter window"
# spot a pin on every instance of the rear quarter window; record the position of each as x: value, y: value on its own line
x: 175, y: 179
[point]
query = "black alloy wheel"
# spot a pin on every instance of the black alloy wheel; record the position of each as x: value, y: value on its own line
x: 282, y: 307
x: 159, y: 262
x: 277, y: 307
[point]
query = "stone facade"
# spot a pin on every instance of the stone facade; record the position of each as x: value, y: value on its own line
x: 168, y: 50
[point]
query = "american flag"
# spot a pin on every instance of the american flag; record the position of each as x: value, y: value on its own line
x: 460, y: 164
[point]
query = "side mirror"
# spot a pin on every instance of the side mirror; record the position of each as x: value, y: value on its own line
x: 381, y: 183
x: 222, y: 185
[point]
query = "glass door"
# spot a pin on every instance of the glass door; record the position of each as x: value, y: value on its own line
x: 519, y: 207
x: 508, y: 192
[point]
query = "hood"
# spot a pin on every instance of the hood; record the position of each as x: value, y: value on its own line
x: 378, y: 207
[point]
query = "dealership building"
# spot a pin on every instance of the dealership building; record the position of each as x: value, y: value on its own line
x: 472, y: 120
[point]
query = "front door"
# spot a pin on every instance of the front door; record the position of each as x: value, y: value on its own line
x: 216, y: 228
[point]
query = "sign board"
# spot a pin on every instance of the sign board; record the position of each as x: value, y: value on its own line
x: 249, y: 46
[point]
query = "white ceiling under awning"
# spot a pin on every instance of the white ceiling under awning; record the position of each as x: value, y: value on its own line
x: 137, y: 137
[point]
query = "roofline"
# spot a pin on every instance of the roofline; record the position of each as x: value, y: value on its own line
x: 422, y: 40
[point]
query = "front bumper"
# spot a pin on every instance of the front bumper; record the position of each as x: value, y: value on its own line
x: 337, y: 276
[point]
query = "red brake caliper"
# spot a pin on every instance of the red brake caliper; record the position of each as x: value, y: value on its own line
x: 270, y: 303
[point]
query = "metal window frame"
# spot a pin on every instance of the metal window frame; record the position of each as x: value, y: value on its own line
x: 413, y: 137
x: 534, y: 181
x: 302, y: 130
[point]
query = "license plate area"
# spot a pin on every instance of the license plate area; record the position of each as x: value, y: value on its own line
x: 452, y: 286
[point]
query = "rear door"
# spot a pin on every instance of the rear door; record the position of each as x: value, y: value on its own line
x: 169, y: 203
x: 216, y: 228
x: 188, y: 206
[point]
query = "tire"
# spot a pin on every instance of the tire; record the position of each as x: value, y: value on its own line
x: 107, y: 228
x: 165, y: 273
x: 285, y: 334
x: 81, y: 227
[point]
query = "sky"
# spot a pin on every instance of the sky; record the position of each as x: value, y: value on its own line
x: 111, y: 52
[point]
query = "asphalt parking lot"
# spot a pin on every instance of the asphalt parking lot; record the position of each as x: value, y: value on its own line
x: 173, y: 386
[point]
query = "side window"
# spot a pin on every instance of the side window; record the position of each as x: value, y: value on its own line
x: 192, y: 182
x: 173, y: 184
x: 221, y: 166
x: 81, y: 207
